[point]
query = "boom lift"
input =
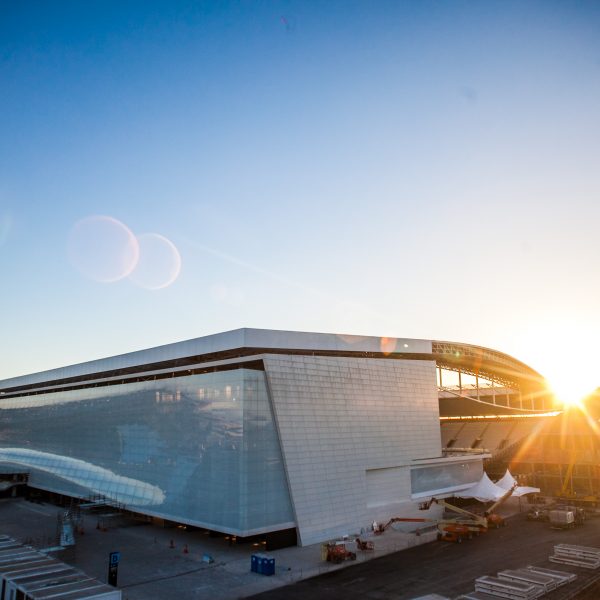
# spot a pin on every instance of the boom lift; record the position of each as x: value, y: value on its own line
x: 450, y: 530
x: 461, y: 527
x: 482, y: 522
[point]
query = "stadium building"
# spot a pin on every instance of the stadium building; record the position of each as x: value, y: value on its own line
x: 255, y: 431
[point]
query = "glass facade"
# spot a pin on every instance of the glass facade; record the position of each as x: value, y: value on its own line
x: 431, y: 479
x: 199, y: 449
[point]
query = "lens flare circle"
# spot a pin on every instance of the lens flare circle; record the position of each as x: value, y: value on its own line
x: 159, y: 263
x: 102, y: 248
x: 388, y: 345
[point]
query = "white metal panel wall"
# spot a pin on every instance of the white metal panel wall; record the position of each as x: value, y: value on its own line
x: 238, y: 338
x: 387, y: 486
x: 338, y: 418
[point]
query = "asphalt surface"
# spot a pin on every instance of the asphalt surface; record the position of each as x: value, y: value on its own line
x: 160, y: 563
x: 450, y: 569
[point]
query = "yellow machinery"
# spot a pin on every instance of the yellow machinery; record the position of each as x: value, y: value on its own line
x: 567, y: 491
x: 461, y: 527
x: 477, y: 523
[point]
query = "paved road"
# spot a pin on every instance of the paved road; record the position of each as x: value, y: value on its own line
x: 150, y: 570
x: 445, y: 568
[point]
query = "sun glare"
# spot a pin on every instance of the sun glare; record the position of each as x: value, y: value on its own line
x: 571, y: 390
x: 561, y: 349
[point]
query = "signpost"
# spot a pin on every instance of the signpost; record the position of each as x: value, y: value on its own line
x: 113, y: 568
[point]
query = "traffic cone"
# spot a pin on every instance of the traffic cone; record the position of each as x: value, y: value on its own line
x: 185, y: 549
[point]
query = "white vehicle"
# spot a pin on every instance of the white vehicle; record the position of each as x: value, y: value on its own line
x: 562, y: 519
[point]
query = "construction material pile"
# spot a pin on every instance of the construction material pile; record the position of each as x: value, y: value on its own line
x: 517, y: 584
x: 561, y: 577
x: 32, y: 575
x: 578, y: 556
x: 506, y: 588
x: 546, y: 583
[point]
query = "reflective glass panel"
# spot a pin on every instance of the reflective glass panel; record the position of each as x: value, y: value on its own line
x: 200, y: 449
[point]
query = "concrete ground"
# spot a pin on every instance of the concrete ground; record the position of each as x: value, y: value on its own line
x: 151, y: 569
x: 451, y: 569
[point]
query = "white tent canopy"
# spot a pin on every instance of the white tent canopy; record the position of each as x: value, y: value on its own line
x: 484, y: 490
x: 508, y: 481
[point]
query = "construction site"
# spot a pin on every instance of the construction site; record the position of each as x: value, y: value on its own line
x: 558, y: 453
x: 497, y: 546
x: 498, y: 496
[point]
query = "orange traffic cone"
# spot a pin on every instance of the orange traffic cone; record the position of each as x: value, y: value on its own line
x: 185, y: 549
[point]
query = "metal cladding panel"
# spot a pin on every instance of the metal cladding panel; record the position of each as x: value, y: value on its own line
x: 339, y: 419
x: 204, y: 345
x: 333, y: 342
x: 230, y: 340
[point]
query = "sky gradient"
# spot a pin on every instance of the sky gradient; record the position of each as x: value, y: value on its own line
x: 411, y: 169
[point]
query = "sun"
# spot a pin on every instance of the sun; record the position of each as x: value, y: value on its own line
x: 571, y: 389
x: 561, y: 349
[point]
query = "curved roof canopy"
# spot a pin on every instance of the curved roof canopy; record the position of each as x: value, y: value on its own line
x: 491, y: 364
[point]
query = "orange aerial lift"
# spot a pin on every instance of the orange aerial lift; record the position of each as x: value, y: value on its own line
x: 450, y: 530
x: 483, y: 522
x: 462, y: 527
x: 336, y: 553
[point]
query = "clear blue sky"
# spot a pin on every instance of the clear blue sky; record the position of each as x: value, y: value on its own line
x: 415, y: 169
